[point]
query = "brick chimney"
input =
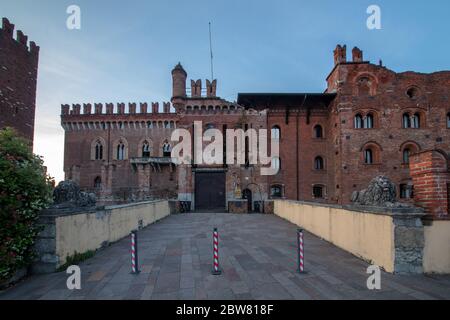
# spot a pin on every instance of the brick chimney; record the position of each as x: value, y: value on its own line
x: 357, y: 55
x: 340, y: 54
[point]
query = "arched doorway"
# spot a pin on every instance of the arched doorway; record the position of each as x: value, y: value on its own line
x: 247, y: 194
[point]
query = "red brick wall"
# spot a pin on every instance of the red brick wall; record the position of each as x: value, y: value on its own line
x: 388, y: 101
x: 430, y: 173
x: 18, y: 76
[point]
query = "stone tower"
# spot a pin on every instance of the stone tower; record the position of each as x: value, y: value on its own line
x: 179, y: 76
x: 18, y: 77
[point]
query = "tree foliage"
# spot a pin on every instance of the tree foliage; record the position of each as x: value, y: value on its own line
x: 25, y: 189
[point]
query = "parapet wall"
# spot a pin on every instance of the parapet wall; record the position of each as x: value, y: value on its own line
x: 66, y: 234
x: 111, y: 109
x: 389, y: 239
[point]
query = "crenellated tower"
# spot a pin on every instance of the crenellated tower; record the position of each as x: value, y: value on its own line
x: 18, y: 78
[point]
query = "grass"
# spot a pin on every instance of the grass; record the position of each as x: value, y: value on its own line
x: 76, y: 258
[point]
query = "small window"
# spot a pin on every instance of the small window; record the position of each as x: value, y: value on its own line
x: 406, y: 154
x: 318, y: 192
x: 368, y: 121
x: 448, y: 120
x: 98, y: 150
x: 276, y: 163
x: 406, y: 191
x: 276, y: 132
x: 276, y: 191
x: 146, y: 150
x: 358, y: 121
x: 167, y: 149
x: 412, y: 93
x: 120, y: 151
x: 406, y: 121
x: 415, y: 121
x: 318, y: 132
x: 368, y: 156
x: 318, y: 163
x: 97, y: 183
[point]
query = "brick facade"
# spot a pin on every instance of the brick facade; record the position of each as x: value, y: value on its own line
x: 18, y: 77
x: 369, y: 121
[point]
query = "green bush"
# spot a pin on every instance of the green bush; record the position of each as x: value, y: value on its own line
x: 25, y: 189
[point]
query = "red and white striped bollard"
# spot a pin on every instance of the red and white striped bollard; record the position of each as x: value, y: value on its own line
x: 301, y: 256
x: 216, y: 271
x: 134, y: 253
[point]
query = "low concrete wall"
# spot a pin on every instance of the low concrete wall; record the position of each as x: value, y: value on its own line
x: 65, y: 234
x: 436, y: 255
x: 390, y: 240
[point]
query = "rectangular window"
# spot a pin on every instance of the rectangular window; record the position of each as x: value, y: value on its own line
x: 318, y: 192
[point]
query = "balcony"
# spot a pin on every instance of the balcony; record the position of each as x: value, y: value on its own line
x: 154, y: 162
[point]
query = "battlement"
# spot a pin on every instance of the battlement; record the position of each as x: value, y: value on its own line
x: 115, y: 109
x: 7, y: 33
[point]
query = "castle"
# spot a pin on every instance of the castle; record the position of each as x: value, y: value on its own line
x: 369, y: 121
x: 18, y: 78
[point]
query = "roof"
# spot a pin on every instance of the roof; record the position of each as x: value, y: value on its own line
x: 264, y: 100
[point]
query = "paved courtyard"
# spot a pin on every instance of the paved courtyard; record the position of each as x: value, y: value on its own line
x: 257, y: 255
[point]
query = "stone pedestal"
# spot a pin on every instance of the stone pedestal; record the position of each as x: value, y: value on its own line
x: 238, y: 206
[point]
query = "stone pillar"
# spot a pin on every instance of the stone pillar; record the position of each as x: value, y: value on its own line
x: 408, y: 241
x: 144, y: 172
x: 430, y: 175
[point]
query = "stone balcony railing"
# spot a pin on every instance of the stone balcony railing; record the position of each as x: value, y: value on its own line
x: 154, y: 160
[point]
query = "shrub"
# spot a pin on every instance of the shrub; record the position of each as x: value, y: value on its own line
x: 25, y: 189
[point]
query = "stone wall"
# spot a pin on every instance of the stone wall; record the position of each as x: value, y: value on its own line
x: 66, y: 233
x: 390, y: 238
x: 238, y: 206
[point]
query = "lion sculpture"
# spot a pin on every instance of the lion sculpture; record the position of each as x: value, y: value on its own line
x: 381, y: 192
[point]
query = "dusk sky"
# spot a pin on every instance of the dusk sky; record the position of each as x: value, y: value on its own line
x: 125, y: 51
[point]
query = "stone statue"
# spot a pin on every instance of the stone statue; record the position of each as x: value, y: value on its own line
x: 68, y: 195
x: 381, y: 192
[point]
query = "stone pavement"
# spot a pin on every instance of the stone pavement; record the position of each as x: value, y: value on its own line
x: 257, y: 255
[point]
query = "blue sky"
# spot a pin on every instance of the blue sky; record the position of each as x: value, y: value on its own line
x: 124, y: 52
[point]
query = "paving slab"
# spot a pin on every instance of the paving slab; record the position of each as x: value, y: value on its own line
x: 258, y: 260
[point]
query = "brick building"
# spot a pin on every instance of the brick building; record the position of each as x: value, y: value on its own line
x: 369, y: 121
x: 18, y: 77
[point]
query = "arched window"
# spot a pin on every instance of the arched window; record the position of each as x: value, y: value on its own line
x: 318, y: 131
x: 276, y: 191
x: 448, y: 120
x: 358, y: 121
x: 318, y: 191
x: 406, y: 121
x: 145, y: 149
x: 98, y: 150
x: 276, y: 132
x: 415, y: 121
x: 97, y: 183
x: 318, y: 163
x: 368, y: 156
x: 120, y: 154
x: 276, y: 163
x: 406, y: 154
x: 368, y: 121
x: 167, y: 149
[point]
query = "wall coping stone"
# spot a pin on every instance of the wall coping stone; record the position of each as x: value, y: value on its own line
x: 413, y: 212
